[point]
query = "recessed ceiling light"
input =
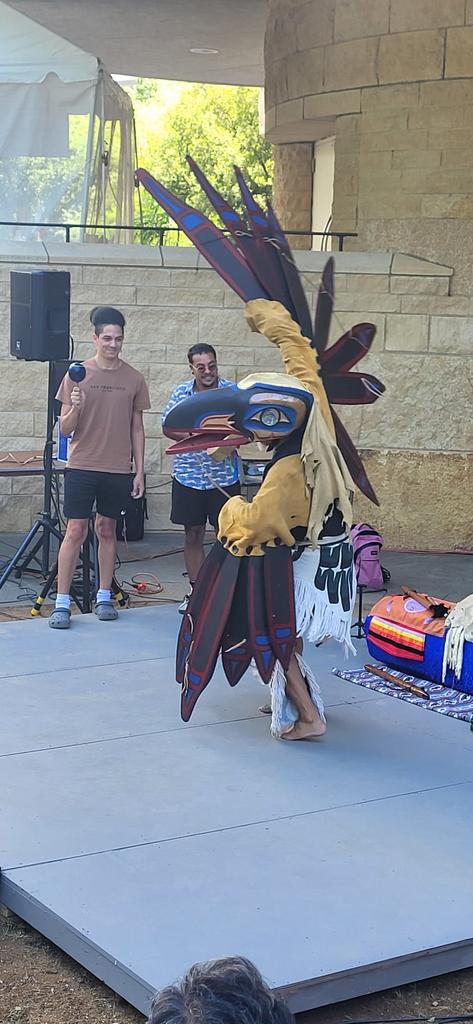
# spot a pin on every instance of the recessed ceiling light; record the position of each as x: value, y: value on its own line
x: 202, y: 49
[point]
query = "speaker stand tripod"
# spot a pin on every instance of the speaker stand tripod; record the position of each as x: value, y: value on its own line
x: 38, y: 539
x: 359, y: 624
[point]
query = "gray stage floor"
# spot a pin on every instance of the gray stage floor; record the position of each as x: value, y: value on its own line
x: 140, y: 845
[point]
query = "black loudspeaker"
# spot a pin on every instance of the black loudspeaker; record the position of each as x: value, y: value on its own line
x: 40, y: 314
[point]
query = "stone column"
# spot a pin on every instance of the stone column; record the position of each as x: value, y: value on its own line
x: 292, y: 191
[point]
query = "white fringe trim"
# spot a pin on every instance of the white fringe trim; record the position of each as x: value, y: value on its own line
x: 317, y: 619
x: 283, y: 711
x: 453, y: 651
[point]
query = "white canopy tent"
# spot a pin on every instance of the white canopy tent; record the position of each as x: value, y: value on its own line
x: 66, y: 137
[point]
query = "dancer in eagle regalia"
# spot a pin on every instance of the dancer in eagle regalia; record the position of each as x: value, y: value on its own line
x: 281, y: 569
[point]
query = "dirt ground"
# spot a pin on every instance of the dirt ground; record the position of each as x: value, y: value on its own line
x: 41, y: 985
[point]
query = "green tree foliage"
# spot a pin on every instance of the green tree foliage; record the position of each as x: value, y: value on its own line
x: 145, y: 89
x: 218, y: 126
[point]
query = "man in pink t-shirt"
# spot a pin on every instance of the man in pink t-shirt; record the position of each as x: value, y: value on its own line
x: 105, y: 415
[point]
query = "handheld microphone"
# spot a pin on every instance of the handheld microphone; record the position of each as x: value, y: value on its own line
x: 76, y: 372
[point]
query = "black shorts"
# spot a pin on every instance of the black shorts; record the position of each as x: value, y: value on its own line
x: 83, y: 487
x: 191, y: 507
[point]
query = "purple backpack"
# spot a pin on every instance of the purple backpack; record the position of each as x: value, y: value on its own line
x: 367, y: 544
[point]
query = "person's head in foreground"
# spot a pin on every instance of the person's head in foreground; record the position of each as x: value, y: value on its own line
x: 227, y: 991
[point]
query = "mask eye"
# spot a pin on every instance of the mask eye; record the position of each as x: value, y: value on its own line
x: 271, y: 417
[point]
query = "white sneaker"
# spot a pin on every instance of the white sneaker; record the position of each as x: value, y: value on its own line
x: 183, y: 607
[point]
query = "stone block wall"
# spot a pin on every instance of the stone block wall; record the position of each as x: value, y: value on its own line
x: 393, y: 81
x: 417, y: 441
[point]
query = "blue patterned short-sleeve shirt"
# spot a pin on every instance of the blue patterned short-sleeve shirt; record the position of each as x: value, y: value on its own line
x: 197, y: 469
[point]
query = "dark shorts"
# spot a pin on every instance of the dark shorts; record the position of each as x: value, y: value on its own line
x: 84, y: 487
x: 191, y: 507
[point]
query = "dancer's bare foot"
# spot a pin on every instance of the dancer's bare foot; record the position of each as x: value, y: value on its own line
x: 305, y: 730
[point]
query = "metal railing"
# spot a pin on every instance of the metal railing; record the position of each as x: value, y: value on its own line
x: 161, y: 232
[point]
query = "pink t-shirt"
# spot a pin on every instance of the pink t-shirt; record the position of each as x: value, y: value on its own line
x: 102, y: 438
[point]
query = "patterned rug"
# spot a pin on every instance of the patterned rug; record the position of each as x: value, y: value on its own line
x: 441, y: 698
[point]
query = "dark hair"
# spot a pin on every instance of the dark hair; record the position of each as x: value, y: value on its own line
x: 200, y: 350
x: 100, y: 316
x: 227, y: 991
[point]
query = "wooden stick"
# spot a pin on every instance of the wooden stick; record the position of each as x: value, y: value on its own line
x: 422, y: 599
x: 430, y: 603
x: 419, y: 692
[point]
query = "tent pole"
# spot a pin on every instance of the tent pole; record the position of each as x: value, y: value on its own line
x: 102, y: 151
x: 140, y: 200
x: 88, y: 164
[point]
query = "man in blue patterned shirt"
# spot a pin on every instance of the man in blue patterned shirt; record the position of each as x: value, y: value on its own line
x: 197, y: 477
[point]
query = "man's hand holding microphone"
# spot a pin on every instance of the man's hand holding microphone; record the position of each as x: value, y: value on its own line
x: 70, y: 419
x: 76, y: 396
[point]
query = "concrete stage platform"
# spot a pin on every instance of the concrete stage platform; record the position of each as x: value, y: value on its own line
x: 140, y: 845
